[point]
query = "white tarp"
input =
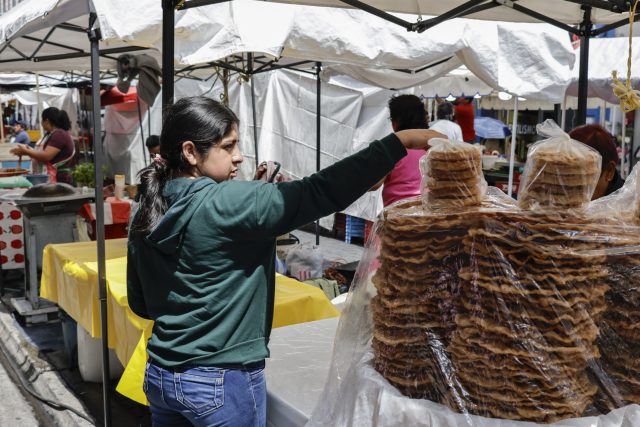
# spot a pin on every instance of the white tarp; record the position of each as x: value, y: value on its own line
x: 606, y: 55
x: 493, y: 51
x: 61, y: 98
x: 566, y: 11
x: 36, y: 18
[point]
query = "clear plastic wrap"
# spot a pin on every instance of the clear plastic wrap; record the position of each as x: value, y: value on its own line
x: 452, y: 175
x: 490, y: 315
x: 559, y: 173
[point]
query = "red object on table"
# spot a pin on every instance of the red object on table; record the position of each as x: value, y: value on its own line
x: 116, y: 218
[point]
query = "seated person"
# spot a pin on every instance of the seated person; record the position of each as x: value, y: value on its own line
x: 21, y: 135
x: 153, y: 145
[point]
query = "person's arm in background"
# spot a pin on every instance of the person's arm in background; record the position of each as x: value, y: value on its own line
x: 286, y: 206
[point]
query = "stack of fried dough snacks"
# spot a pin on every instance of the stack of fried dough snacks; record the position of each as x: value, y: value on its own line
x: 531, y: 299
x: 560, y: 173
x: 417, y: 285
x: 452, y: 175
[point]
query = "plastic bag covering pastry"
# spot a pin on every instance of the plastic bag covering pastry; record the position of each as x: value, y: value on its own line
x: 623, y: 205
x: 559, y: 172
x: 490, y: 315
x: 452, y: 175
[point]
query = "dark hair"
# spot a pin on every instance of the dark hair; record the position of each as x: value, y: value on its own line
x: 445, y: 111
x: 598, y: 138
x: 57, y: 118
x: 200, y: 120
x: 152, y: 141
x: 408, y: 112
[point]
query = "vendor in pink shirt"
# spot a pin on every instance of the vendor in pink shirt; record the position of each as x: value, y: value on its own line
x: 406, y: 112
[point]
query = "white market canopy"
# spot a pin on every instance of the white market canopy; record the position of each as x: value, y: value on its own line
x: 566, y: 11
x: 365, y: 44
x: 606, y: 55
x: 51, y: 35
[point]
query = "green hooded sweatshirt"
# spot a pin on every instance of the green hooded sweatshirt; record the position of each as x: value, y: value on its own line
x: 206, y: 273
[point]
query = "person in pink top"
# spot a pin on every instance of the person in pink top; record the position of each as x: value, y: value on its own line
x: 405, y: 112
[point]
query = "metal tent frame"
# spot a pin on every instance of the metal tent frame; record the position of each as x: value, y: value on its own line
x: 584, y: 30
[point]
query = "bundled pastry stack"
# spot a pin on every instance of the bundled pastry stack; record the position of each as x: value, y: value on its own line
x: 619, y: 338
x: 417, y: 285
x: 452, y: 175
x: 531, y: 297
x: 559, y: 174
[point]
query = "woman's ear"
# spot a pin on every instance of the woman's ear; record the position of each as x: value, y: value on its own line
x: 609, y: 170
x: 190, y: 153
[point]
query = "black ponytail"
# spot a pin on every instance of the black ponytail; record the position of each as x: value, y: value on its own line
x: 200, y: 120
x: 58, y: 118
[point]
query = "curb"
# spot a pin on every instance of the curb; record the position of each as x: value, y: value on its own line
x: 40, y: 374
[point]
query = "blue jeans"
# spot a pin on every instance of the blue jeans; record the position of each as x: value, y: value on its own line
x: 206, y: 396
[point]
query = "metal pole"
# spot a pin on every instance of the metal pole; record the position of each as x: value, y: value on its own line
x: 168, y: 23
x: 583, y: 78
x: 563, y: 120
x: 512, y: 155
x: 39, y: 108
x: 94, y: 38
x: 318, y: 89
x: 144, y: 152
x: 1, y: 123
x: 253, y: 109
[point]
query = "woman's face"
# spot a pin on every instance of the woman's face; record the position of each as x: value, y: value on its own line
x: 46, y: 125
x: 222, y: 161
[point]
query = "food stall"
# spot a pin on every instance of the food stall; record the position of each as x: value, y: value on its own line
x: 539, y: 297
x: 69, y: 278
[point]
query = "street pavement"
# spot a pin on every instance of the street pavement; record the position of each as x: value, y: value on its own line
x: 15, y: 411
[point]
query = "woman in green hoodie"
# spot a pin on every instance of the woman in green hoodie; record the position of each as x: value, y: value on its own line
x: 201, y: 259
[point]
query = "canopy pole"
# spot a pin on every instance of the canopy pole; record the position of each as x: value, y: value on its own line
x: 318, y: 93
x: 168, y: 23
x: 563, y: 119
x: 512, y: 155
x: 583, y: 77
x: 614, y: 119
x: 144, y: 152
x: 94, y: 38
x: 1, y: 123
x: 38, y: 100
x: 253, y: 109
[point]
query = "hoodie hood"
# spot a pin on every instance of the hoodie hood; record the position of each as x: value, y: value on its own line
x: 184, y: 197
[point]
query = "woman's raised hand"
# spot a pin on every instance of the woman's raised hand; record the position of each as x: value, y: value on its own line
x: 18, y: 150
x: 418, y: 138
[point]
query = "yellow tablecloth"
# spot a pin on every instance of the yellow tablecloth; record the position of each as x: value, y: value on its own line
x: 70, y: 278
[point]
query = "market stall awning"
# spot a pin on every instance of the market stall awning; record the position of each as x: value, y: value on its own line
x: 605, y: 56
x: 50, y: 35
x: 353, y: 38
x: 566, y: 11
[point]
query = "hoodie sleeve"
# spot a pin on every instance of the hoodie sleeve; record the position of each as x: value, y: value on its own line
x: 286, y: 206
x: 135, y: 295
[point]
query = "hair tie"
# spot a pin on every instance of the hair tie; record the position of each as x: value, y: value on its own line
x: 158, y: 158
